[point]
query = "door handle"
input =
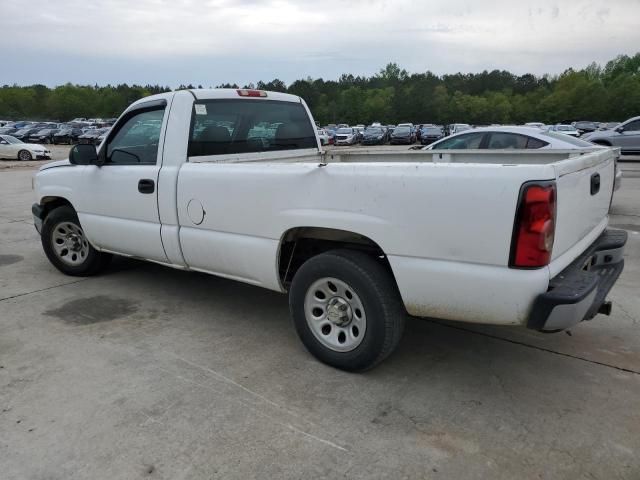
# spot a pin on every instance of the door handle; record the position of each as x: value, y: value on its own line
x: 146, y: 185
x: 595, y: 183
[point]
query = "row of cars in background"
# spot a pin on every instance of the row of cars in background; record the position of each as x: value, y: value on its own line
x: 24, y: 140
x: 625, y: 135
x: 378, y: 134
x: 76, y: 131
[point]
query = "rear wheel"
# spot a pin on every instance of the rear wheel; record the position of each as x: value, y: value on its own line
x: 346, y: 309
x: 67, y: 247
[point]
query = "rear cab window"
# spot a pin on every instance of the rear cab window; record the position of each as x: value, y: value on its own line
x: 231, y: 126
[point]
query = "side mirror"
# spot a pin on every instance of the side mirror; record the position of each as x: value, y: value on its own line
x: 620, y: 129
x: 83, y: 154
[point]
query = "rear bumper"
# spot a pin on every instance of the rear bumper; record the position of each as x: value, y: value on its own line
x: 578, y: 292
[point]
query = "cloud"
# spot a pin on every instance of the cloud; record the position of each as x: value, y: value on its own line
x: 215, y: 41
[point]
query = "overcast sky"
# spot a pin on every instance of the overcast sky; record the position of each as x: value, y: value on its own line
x: 209, y: 42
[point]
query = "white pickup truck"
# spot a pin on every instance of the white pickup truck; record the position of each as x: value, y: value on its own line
x: 235, y: 183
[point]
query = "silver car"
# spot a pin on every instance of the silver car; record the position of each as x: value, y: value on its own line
x: 626, y: 136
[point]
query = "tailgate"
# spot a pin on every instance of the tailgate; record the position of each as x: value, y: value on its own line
x: 584, y: 189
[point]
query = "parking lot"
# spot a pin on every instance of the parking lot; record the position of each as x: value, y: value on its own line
x: 148, y: 372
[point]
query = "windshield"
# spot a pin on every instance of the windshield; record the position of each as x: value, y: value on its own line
x: 345, y: 130
x: 585, y: 125
x: 567, y: 139
x: 432, y: 131
x: 374, y: 131
x: 402, y: 130
x: 564, y: 128
x: 11, y: 139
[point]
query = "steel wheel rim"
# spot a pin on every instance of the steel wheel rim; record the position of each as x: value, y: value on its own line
x: 70, y: 244
x: 335, y: 314
x: 24, y: 155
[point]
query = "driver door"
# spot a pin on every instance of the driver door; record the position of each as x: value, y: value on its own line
x: 119, y: 202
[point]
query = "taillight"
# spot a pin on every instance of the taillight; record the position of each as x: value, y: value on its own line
x: 535, y: 226
x: 251, y: 93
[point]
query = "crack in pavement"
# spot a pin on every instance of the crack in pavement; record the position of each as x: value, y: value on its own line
x: 535, y: 347
x: 42, y: 289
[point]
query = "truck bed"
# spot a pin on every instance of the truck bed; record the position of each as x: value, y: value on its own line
x: 404, y: 155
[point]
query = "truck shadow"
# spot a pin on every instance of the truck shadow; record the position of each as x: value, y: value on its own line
x: 223, y: 305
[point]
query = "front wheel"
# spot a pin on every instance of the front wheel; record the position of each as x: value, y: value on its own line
x: 25, y: 155
x: 346, y: 309
x: 67, y: 247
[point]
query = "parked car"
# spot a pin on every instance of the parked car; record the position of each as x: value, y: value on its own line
x: 457, y: 128
x: 67, y: 135
x: 403, y: 135
x: 356, y: 242
x: 566, y: 129
x: 608, y: 125
x: 500, y: 138
x: 92, y: 136
x: 626, y: 136
x: 7, y: 130
x: 346, y: 136
x: 323, y: 136
x: 374, y: 136
x: 429, y: 135
x: 518, y: 138
x: 103, y: 134
x: 11, y: 147
x: 360, y: 129
x: 585, y: 127
x: 42, y: 136
x: 23, y: 133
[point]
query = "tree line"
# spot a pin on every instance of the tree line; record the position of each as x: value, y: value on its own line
x: 601, y: 93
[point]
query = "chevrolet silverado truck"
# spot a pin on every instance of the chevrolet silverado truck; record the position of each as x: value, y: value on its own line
x: 235, y: 183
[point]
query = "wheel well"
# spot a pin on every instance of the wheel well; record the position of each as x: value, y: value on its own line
x: 51, y: 203
x: 300, y: 244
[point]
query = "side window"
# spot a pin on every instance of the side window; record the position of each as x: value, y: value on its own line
x: 632, y: 126
x: 502, y: 140
x: 136, y: 142
x: 467, y: 141
x: 222, y: 127
x: 536, y: 143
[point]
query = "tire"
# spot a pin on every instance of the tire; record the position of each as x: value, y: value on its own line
x: 61, y: 235
x: 371, y: 324
x: 25, y: 155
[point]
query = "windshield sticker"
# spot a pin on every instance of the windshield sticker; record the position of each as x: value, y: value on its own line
x: 201, y: 109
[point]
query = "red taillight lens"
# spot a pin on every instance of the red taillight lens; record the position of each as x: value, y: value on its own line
x: 251, y: 93
x: 535, y: 226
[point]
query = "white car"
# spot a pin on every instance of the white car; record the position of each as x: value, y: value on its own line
x: 11, y: 147
x: 323, y: 136
x: 357, y: 237
x: 347, y: 136
x: 499, y: 138
x: 518, y: 138
x: 565, y: 129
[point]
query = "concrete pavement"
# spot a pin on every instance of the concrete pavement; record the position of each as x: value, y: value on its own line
x: 147, y: 372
